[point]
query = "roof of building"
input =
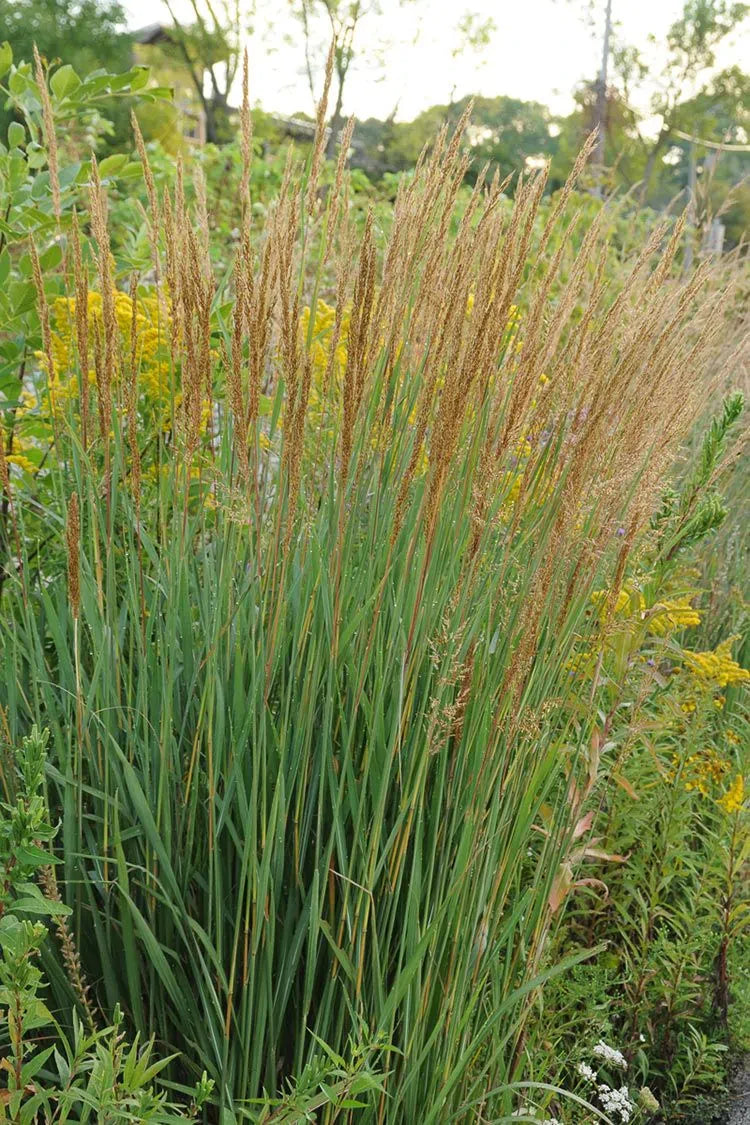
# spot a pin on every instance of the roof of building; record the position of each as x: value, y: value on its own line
x: 152, y: 33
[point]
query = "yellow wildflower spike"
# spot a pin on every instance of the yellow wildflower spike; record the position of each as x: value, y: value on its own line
x: 717, y: 667
x: 734, y: 798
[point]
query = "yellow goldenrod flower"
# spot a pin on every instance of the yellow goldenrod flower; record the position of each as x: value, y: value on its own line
x: 716, y: 667
x: 734, y: 798
x: 668, y: 616
x: 628, y: 603
x: 583, y: 663
x: 702, y: 771
x: 22, y: 462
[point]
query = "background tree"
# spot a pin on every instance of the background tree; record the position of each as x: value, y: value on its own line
x: 504, y: 132
x: 341, y: 19
x: 666, y: 89
x: 472, y: 35
x: 210, y: 46
x: 343, y: 22
x: 622, y: 159
x: 718, y: 114
x: 83, y: 33
x: 691, y: 44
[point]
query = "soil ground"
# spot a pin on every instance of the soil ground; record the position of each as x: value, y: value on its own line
x: 739, y: 1102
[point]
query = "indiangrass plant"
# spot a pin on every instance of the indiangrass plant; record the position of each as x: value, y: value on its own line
x: 303, y: 645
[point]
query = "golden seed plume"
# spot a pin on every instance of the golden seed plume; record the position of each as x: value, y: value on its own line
x: 108, y: 335
x: 50, y: 136
x: 148, y: 177
x: 246, y: 136
x: 319, y: 142
x: 81, y: 283
x: 71, y: 958
x: 73, y: 541
x: 336, y: 194
x: 36, y: 271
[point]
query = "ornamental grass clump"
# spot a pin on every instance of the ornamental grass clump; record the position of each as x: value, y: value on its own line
x: 315, y: 743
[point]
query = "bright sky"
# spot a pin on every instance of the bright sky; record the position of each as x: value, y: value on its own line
x: 539, y: 51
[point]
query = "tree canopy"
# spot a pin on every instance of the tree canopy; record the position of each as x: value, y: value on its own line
x: 86, y: 34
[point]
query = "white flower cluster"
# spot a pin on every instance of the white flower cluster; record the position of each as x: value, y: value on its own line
x: 586, y: 1072
x: 610, y: 1055
x: 616, y: 1101
x: 529, y: 1111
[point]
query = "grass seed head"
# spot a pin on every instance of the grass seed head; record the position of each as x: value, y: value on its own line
x: 73, y: 542
x: 50, y: 135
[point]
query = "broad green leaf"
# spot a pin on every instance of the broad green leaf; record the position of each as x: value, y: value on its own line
x: 51, y: 257
x: 111, y: 165
x: 64, y: 81
x: 92, y: 86
x: 33, y: 856
x: 35, y: 1064
x: 131, y: 171
x: 139, y: 77
x: 6, y: 57
x: 42, y: 906
x: 36, y: 155
x: 18, y: 82
x: 23, y: 297
x: 67, y: 175
x: 160, y: 93
x: 16, y: 134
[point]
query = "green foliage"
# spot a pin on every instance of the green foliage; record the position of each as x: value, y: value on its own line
x: 504, y: 133
x: 94, y: 1076
x: 78, y: 32
x: 674, y: 911
x: 24, y: 177
x: 82, y: 33
x: 27, y: 208
x: 689, y: 516
x: 711, y: 450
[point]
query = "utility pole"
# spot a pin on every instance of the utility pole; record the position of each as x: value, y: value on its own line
x: 601, y: 97
x: 690, y: 226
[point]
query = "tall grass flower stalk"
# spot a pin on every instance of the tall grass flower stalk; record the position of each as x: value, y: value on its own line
x: 319, y: 756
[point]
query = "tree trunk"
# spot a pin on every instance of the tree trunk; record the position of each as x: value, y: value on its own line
x: 210, y: 119
x: 601, y: 100
x: 336, y: 122
x: 650, y: 165
x: 216, y: 110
